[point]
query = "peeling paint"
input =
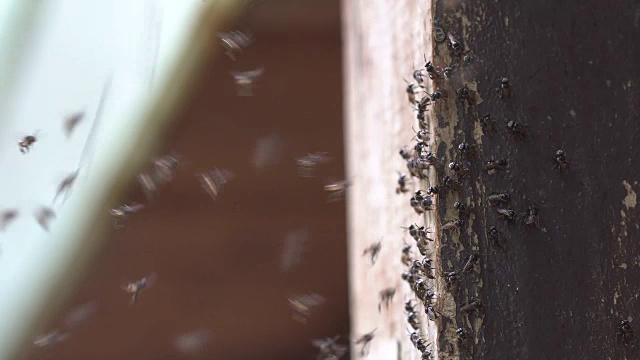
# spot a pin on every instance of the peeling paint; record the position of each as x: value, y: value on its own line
x: 631, y: 200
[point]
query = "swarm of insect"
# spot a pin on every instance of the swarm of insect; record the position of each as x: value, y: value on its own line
x: 302, y: 305
x: 307, y: 164
x: 7, y: 217
x: 337, y: 190
x: 245, y: 80
x: 373, y: 251
x: 135, y: 288
x: 44, y: 215
x: 234, y: 41
x: 365, y: 341
x: 213, y: 181
x: 329, y: 349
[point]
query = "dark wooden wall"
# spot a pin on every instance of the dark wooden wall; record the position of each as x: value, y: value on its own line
x: 218, y: 262
x: 558, y: 293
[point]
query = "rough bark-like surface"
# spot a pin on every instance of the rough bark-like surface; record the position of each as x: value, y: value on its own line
x: 560, y: 291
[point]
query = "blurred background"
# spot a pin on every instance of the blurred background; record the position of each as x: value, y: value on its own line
x: 227, y: 267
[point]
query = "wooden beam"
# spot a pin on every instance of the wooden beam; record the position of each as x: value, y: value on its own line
x: 384, y: 41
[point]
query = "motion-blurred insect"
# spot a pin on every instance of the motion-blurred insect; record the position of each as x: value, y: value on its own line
x: 494, y: 165
x: 561, y: 163
x: 500, y: 198
x: 120, y: 213
x: 406, y: 258
x: 214, y: 181
x: 51, y: 338
x: 27, y: 142
x: 302, y: 305
x: 71, y: 122
x: 471, y: 306
x: 337, y: 190
x: 411, y: 92
x: 44, y: 215
x: 66, y: 184
x: 245, y: 80
x: 505, y: 88
x: 307, y: 165
x: 365, y: 342
x: 192, y: 342
x: 79, y: 315
x: 624, y: 332
x: 373, y: 251
x: 164, y: 168
x: 417, y: 76
x: 294, y: 248
x: 135, y: 288
x: 462, y: 334
x: 386, y: 297
x: 234, y: 41
x: 268, y: 151
x: 329, y: 349
x: 403, y: 180
x: 7, y: 217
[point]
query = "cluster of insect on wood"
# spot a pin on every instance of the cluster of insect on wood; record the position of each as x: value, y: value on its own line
x: 458, y: 176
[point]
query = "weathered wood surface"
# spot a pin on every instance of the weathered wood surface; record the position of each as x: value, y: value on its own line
x: 558, y: 292
x: 384, y: 41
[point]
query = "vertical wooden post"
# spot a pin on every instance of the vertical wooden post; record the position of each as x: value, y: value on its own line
x: 384, y: 41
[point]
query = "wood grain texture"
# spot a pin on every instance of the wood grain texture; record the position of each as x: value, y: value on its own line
x: 384, y: 41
